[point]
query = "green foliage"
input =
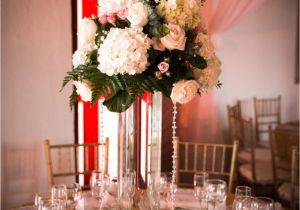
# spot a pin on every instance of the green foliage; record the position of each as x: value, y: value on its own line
x: 197, y: 61
x: 159, y: 30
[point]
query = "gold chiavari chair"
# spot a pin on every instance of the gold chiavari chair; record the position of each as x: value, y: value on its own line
x: 257, y: 172
x: 234, y: 113
x: 267, y: 111
x: 295, y: 179
x: 63, y: 160
x: 216, y: 159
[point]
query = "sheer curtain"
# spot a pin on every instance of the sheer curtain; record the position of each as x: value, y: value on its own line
x: 199, y: 119
x: 224, y: 15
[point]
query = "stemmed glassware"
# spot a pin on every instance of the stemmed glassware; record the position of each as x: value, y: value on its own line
x: 246, y: 202
x: 265, y: 203
x: 216, y: 193
x: 74, y: 194
x: 129, y: 186
x: 199, y: 188
x: 59, y: 195
x: 241, y: 192
x: 98, y: 184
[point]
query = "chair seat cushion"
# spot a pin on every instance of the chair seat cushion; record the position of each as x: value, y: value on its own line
x: 264, y: 172
x: 284, y: 191
x: 261, y: 154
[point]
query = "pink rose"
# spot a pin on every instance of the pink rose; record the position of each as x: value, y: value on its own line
x: 111, y: 18
x: 163, y: 67
x: 122, y: 14
x: 175, y: 39
x: 103, y: 19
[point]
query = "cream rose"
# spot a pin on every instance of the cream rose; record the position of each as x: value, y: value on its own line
x: 137, y: 15
x: 84, y: 90
x: 175, y: 39
x: 157, y: 45
x: 86, y: 32
x: 184, y: 91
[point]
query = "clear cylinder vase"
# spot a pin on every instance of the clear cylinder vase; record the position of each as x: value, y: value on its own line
x: 139, y: 139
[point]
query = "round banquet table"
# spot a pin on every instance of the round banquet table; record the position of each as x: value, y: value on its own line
x: 184, y: 201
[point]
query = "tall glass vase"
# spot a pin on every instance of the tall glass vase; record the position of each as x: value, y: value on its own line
x: 139, y: 139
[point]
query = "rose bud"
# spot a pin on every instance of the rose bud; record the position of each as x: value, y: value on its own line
x: 163, y: 67
x: 103, y: 19
x: 111, y: 18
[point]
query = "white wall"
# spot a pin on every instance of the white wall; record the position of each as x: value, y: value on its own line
x: 36, y: 53
x: 259, y: 59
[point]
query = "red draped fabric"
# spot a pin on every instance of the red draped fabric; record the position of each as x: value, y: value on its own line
x: 90, y: 112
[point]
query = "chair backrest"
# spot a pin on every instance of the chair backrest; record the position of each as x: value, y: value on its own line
x: 295, y: 179
x: 64, y: 160
x: 234, y: 113
x: 248, y: 141
x: 267, y: 111
x: 281, y: 149
x: 215, y: 159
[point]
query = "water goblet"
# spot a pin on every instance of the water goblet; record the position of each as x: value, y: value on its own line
x: 48, y: 204
x: 246, y: 203
x: 74, y: 194
x: 59, y: 194
x: 216, y: 193
x: 129, y: 185
x: 240, y: 193
x: 199, y: 188
x: 265, y: 203
x: 163, y: 185
x: 98, y: 185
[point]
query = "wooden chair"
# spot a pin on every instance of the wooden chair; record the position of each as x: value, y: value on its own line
x: 267, y: 112
x: 234, y: 113
x: 63, y: 160
x: 216, y: 159
x: 258, y: 172
x: 242, y: 132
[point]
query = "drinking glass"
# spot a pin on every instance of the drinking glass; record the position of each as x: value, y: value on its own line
x: 240, y: 193
x: 154, y: 191
x: 48, y: 204
x: 199, y: 188
x: 129, y: 185
x: 74, y: 194
x: 98, y: 185
x: 246, y: 202
x: 265, y: 203
x: 163, y: 185
x: 216, y: 193
x: 59, y: 194
x: 172, y: 189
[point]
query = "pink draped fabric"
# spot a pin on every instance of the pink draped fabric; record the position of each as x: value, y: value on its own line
x: 199, y: 119
x: 221, y: 15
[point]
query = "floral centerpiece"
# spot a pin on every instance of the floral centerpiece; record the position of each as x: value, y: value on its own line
x: 135, y: 46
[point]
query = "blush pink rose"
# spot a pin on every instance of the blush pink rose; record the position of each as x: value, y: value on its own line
x: 111, y: 18
x: 103, y: 19
x: 163, y: 67
x: 122, y: 14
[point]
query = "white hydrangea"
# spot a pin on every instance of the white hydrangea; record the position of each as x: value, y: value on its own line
x: 207, y: 47
x: 80, y: 55
x: 137, y: 14
x: 124, y: 51
x: 208, y: 77
x: 107, y: 7
x: 86, y: 32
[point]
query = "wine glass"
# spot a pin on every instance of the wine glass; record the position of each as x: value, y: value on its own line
x: 129, y: 185
x: 265, y: 203
x: 74, y: 194
x: 216, y: 193
x: 240, y: 193
x: 48, y: 204
x: 59, y: 194
x: 199, y: 188
x: 163, y: 185
x: 246, y: 202
x: 98, y: 185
